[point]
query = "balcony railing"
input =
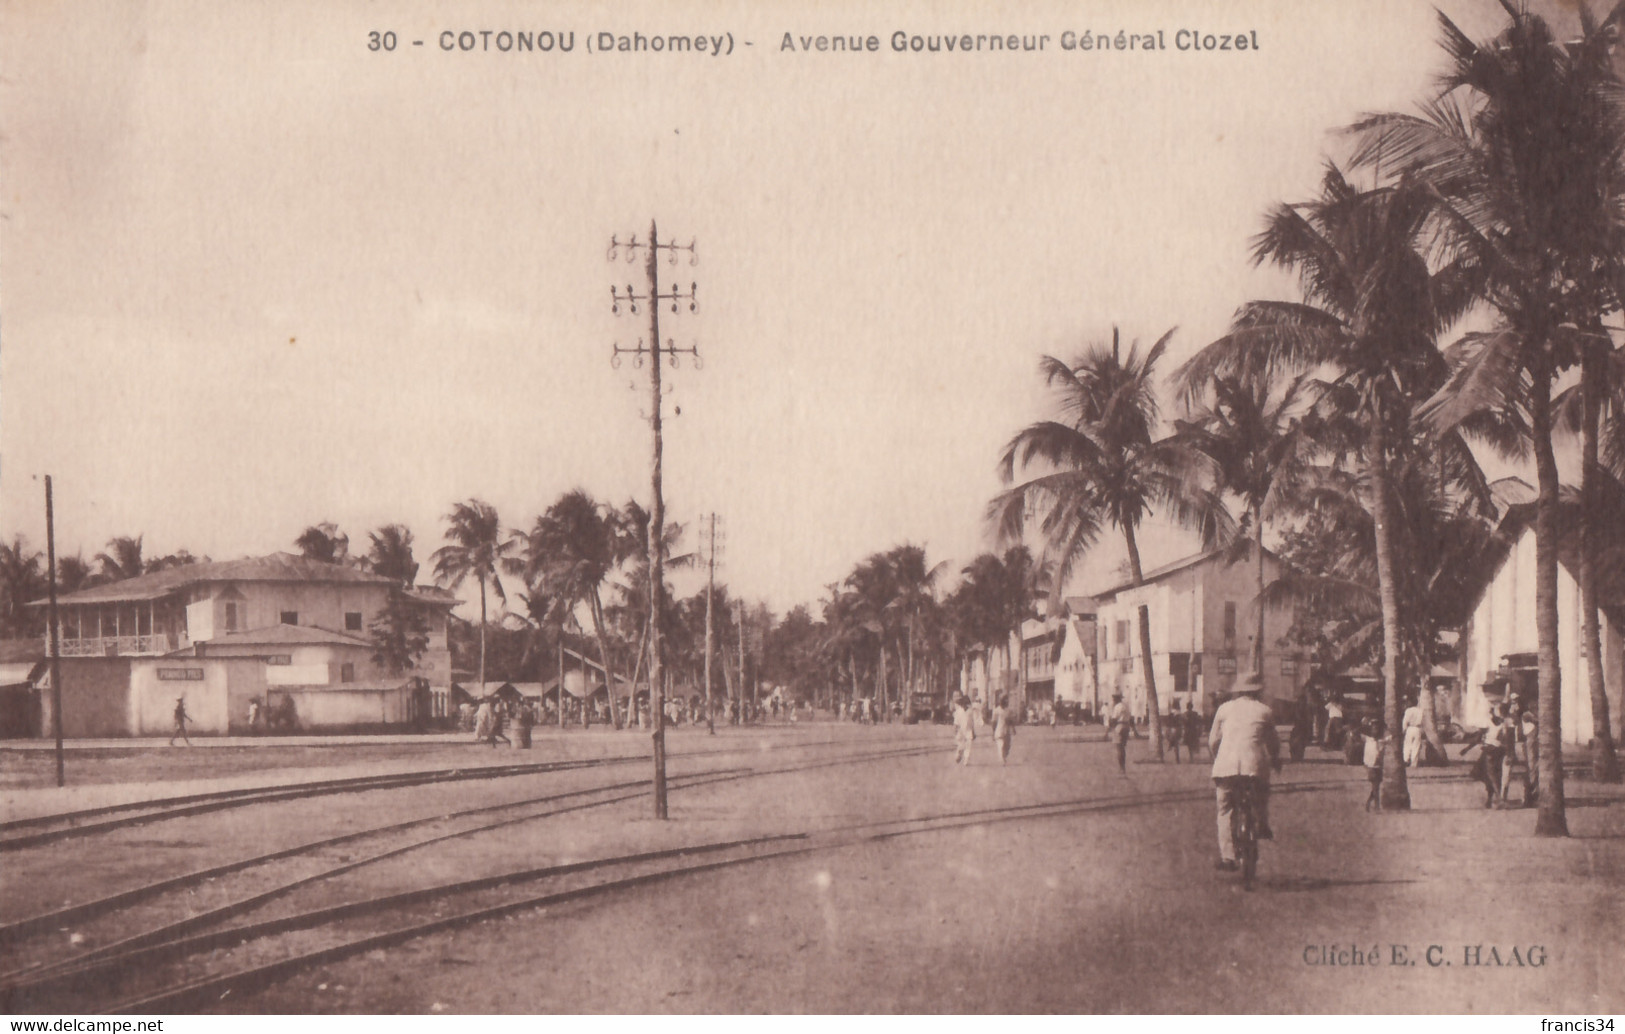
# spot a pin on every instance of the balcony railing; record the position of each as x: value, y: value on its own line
x: 121, y: 645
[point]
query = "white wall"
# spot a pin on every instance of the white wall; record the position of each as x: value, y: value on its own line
x: 1504, y: 622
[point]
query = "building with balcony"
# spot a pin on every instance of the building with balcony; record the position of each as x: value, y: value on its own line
x: 293, y: 633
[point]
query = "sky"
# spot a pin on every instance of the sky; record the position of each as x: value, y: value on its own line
x: 255, y: 275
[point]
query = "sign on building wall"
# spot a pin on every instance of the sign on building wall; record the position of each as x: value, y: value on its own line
x: 180, y: 674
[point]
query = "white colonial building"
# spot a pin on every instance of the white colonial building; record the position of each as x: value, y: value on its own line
x: 292, y: 633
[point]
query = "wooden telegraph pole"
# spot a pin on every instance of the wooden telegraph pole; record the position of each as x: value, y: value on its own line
x: 655, y: 350
x: 56, y: 646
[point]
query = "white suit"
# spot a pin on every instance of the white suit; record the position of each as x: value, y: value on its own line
x: 1244, y: 743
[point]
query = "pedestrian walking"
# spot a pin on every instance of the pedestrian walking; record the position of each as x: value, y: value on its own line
x: 1412, y: 724
x: 1118, y: 729
x: 1002, y: 729
x: 1524, y: 732
x: 1173, y: 728
x: 181, y: 718
x: 483, y: 720
x: 1193, y: 730
x: 254, y: 715
x: 1374, y: 750
x: 1492, y: 753
x: 964, y: 731
x: 1334, y: 722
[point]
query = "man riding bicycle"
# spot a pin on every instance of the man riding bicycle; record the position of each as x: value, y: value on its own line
x: 1245, y: 747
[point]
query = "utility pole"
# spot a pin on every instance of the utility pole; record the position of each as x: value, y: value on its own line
x: 657, y: 511
x: 739, y: 606
x: 56, y: 647
x: 710, y: 546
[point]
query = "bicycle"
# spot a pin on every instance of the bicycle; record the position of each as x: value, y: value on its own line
x: 1244, y: 830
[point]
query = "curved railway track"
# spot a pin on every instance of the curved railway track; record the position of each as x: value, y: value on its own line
x: 278, y: 874
x: 163, y: 972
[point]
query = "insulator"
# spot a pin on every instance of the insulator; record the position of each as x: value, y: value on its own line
x: 615, y: 360
x: 613, y: 244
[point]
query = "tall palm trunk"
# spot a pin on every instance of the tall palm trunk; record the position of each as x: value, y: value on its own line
x: 1604, y: 760
x: 1148, y: 669
x: 1552, y: 820
x: 603, y: 656
x: 852, y: 669
x: 880, y: 676
x: 482, y: 636
x: 1396, y: 794
x: 1258, y: 589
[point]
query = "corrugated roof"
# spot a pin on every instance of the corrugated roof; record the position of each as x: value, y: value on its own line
x: 278, y: 567
x: 431, y: 596
x: 287, y: 635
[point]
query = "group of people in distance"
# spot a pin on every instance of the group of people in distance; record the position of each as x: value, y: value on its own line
x: 1509, y: 738
x: 966, y: 719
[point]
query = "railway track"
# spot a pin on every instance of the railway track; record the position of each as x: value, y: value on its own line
x: 190, y: 970
x: 203, y: 898
x: 41, y: 829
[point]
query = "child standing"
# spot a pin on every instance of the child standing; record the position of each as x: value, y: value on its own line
x: 1374, y: 749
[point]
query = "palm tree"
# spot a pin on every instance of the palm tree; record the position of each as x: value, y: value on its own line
x: 122, y: 559
x: 390, y: 554
x: 914, y: 583
x: 1591, y: 410
x: 1523, y: 152
x: 323, y: 542
x: 73, y: 573
x: 844, y: 635
x: 874, y: 590
x: 1254, y: 439
x: 572, y: 550
x: 1102, y: 464
x: 1373, y: 312
x: 631, y: 524
x: 22, y: 578
x: 475, y: 547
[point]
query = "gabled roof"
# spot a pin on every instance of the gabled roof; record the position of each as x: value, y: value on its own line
x: 1158, y: 574
x: 286, y: 635
x: 278, y: 567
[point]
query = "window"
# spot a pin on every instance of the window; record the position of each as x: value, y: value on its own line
x: 1289, y: 665
x: 290, y: 617
x: 352, y: 621
x: 1229, y: 622
x: 347, y: 672
x: 1227, y: 665
x: 233, y: 618
x: 1122, y: 636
